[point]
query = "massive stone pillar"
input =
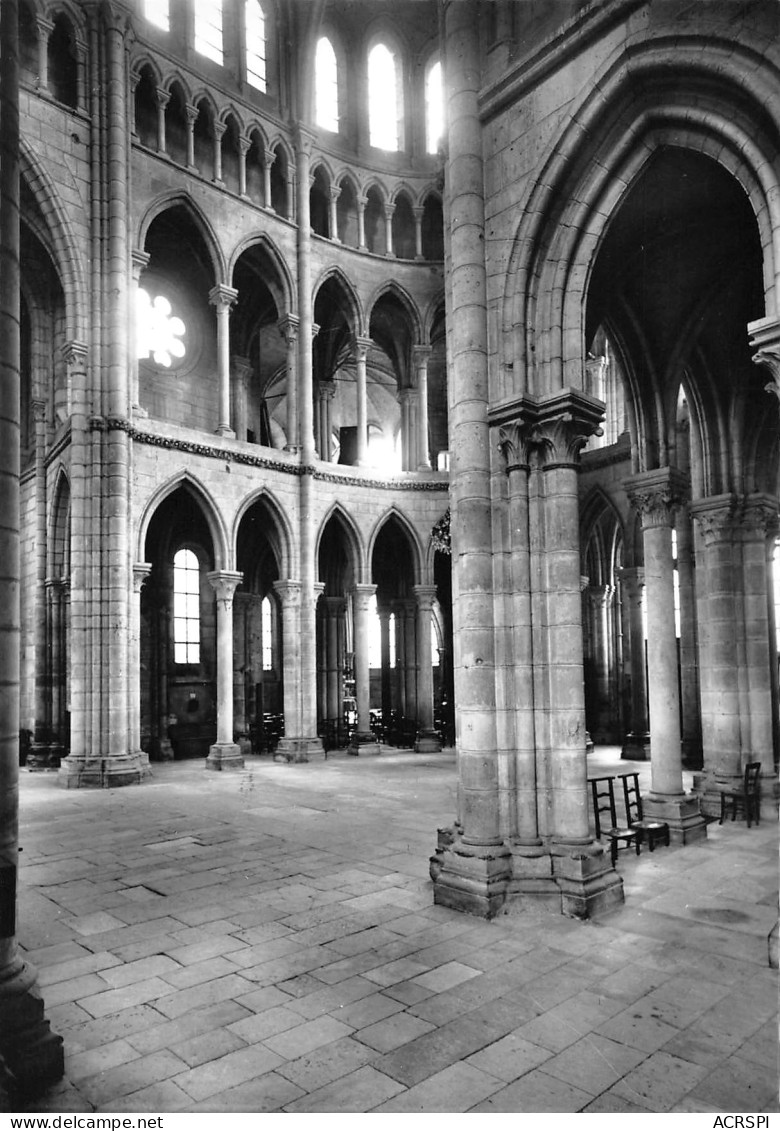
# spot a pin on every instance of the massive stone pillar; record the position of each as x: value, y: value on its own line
x: 656, y: 495
x: 29, y: 1050
x: 289, y: 593
x: 555, y: 859
x: 362, y: 741
x: 637, y: 743
x: 427, y: 738
x: 225, y: 754
x: 735, y: 654
x: 473, y: 864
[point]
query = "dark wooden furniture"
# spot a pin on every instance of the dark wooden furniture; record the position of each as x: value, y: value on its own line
x: 651, y: 829
x: 748, y: 795
x: 605, y: 813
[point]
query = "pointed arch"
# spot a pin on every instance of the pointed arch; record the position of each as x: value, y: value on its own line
x: 336, y: 276
x: 391, y: 287
x: 176, y: 199
x: 394, y: 515
x: 208, y: 505
x: 284, y: 540
x: 61, y: 242
x: 352, y: 537
x: 282, y: 287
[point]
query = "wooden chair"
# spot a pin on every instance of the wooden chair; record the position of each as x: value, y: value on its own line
x: 748, y: 795
x: 603, y: 791
x: 651, y: 830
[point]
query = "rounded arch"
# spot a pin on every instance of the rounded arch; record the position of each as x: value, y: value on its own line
x: 375, y: 185
x: 255, y: 129
x: 281, y: 286
x: 395, y: 516
x: 204, y: 499
x: 174, y: 80
x: 352, y: 540
x: 284, y: 538
x: 630, y: 108
x: 143, y: 61
x: 230, y: 113
x: 173, y: 199
x: 61, y: 242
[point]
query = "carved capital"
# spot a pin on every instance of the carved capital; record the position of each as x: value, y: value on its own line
x: 547, y: 432
x: 75, y: 354
x: 361, y: 597
x: 361, y: 346
x: 426, y: 595
x: 656, y: 495
x: 632, y: 582
x: 327, y: 390
x: 288, y: 328
x: 141, y: 571
x: 289, y: 593
x: 223, y: 297
x: 765, y: 337
x: 715, y: 516
x: 224, y: 583
x: 758, y: 516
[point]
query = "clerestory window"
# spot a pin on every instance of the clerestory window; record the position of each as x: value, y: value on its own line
x: 385, y: 114
x: 254, y: 28
x: 434, y: 108
x: 208, y: 29
x: 326, y: 86
x: 157, y: 12
x: 186, y: 608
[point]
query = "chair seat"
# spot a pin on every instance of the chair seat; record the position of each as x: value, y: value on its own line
x: 652, y: 830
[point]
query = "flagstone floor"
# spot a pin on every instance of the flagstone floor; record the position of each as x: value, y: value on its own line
x: 266, y: 940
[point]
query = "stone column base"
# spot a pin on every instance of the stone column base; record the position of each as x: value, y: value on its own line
x: 469, y: 877
x: 44, y: 756
x: 363, y: 743
x: 573, y: 880
x: 427, y: 742
x: 299, y: 749
x: 588, y: 883
x: 224, y: 756
x: 682, y: 814
x: 636, y: 748
x: 108, y: 772
x: 32, y: 1053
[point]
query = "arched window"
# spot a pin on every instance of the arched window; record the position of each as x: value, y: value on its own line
x: 326, y: 84
x: 254, y: 28
x: 63, y: 64
x: 268, y: 634
x: 385, y: 101
x: 157, y: 13
x: 186, y: 608
x: 434, y: 108
x: 208, y: 29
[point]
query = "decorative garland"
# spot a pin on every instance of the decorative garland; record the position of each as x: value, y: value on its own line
x: 440, y: 534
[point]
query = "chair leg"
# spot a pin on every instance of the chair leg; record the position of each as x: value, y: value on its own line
x: 613, y: 851
x: 722, y: 808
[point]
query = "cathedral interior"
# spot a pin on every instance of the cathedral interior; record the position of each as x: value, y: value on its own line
x: 383, y: 381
